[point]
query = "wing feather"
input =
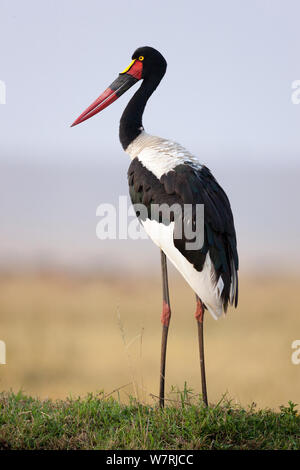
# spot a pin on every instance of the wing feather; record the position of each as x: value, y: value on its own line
x: 191, y: 184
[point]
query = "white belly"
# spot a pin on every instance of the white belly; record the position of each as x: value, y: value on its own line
x: 203, y: 283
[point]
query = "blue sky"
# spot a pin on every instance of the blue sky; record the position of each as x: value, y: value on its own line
x: 226, y: 97
x: 227, y: 89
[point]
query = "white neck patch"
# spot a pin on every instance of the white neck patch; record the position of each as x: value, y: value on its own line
x: 159, y: 155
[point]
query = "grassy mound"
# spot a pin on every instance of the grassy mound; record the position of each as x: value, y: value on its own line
x: 96, y: 422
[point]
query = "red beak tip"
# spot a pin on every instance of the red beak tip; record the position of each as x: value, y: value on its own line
x: 108, y: 96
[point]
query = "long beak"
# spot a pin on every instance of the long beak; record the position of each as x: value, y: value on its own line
x: 125, y: 80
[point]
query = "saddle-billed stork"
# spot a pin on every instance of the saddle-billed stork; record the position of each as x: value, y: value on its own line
x: 163, y: 172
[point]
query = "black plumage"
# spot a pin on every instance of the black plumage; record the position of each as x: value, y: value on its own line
x: 188, y: 184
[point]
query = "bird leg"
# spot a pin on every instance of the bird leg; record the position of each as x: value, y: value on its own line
x: 165, y: 320
x: 199, y: 315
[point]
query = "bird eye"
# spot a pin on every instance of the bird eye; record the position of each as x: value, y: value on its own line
x: 141, y: 57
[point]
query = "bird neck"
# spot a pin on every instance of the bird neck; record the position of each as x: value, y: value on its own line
x: 131, y: 120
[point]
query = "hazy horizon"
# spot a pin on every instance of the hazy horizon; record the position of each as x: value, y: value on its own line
x: 49, y: 219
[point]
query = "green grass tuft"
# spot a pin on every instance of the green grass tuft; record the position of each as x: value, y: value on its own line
x: 96, y: 422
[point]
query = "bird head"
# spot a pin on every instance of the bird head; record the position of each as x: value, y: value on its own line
x: 147, y: 64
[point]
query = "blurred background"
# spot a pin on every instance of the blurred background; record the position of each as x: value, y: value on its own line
x: 79, y: 314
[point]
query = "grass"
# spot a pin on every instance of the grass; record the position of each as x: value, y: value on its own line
x: 99, y: 422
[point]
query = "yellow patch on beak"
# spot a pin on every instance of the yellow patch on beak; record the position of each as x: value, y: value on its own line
x: 129, y: 66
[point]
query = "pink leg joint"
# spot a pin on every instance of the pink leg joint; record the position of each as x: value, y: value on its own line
x: 199, y: 312
x: 166, y: 314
